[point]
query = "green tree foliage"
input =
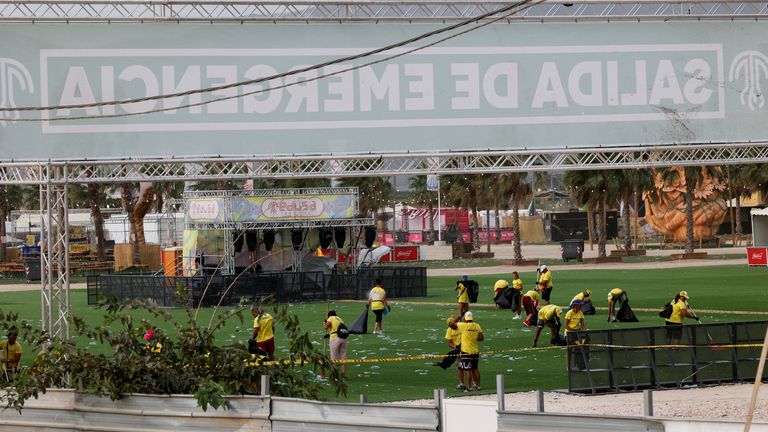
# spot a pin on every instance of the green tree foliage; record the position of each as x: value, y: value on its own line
x: 188, y: 360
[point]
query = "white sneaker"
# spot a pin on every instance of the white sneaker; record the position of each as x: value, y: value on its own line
x: 516, y: 317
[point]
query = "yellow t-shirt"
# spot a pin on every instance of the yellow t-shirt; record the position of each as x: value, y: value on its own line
x: 615, y: 292
x: 334, y: 321
x: 579, y: 296
x: 677, y: 312
x: 533, y: 295
x: 453, y: 336
x: 517, y: 284
x: 469, y: 334
x: 548, y: 312
x: 463, y: 296
x: 573, y: 320
x: 264, y: 323
x: 545, y: 280
x: 7, y: 351
x: 377, y: 295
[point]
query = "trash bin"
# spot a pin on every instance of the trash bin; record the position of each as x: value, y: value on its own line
x: 32, y: 269
x: 572, y: 249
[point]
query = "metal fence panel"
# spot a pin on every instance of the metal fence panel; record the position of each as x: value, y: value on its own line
x: 593, y: 368
x: 549, y: 422
x: 295, y: 415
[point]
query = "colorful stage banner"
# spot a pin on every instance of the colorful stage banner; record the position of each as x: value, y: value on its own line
x: 304, y: 207
x: 210, y: 210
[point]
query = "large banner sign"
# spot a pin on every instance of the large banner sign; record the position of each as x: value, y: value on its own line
x: 506, y: 86
x: 270, y: 209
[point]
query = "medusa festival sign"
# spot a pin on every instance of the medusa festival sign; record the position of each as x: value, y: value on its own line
x: 505, y: 86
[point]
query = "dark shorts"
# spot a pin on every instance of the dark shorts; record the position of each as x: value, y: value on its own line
x: 674, y: 330
x: 268, y: 346
x: 379, y: 313
x: 468, y: 362
x: 545, y: 293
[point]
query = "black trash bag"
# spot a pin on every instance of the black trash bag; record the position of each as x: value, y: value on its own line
x: 504, y: 299
x: 558, y: 340
x: 587, y: 308
x: 473, y: 290
x: 360, y: 326
x: 253, y: 348
x: 625, y: 313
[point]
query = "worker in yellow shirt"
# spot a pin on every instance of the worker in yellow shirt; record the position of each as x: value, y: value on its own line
x: 574, y: 323
x: 616, y: 298
x: 264, y: 331
x: 10, y: 352
x: 498, y: 289
x: 530, y: 304
x: 453, y: 338
x: 545, y: 284
x: 338, y: 344
x: 549, y: 316
x: 517, y: 294
x: 471, y: 334
x: 462, y: 295
x: 680, y: 310
x: 377, y: 301
x: 585, y: 297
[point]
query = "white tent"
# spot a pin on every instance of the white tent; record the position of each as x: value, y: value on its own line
x: 759, y: 227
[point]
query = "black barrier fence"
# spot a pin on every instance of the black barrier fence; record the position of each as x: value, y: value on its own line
x: 285, y: 287
x: 595, y: 369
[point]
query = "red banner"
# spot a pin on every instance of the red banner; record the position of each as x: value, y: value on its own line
x: 402, y: 254
x: 757, y: 256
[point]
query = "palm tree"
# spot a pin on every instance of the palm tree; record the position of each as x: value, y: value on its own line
x: 3, y: 217
x: 691, y: 176
x: 463, y: 191
x: 593, y: 188
x: 629, y: 184
x: 422, y: 197
x: 513, y: 188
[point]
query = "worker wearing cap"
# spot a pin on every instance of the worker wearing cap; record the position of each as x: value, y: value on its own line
x: 674, y: 323
x: 498, y: 288
x: 453, y: 338
x: 545, y: 283
x: 471, y: 334
x: 10, y: 352
x: 574, y: 323
x: 517, y: 294
x: 549, y: 316
x: 585, y: 297
x: 616, y: 298
x: 530, y: 303
x: 462, y: 295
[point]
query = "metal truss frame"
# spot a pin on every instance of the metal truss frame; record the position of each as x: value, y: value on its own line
x: 273, y: 192
x: 383, y: 164
x: 274, y: 11
x: 296, y: 224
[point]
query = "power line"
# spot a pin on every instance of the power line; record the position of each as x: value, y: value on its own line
x: 506, y: 11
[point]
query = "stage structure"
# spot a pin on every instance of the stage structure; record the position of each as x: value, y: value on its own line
x: 677, y: 85
x: 302, y: 220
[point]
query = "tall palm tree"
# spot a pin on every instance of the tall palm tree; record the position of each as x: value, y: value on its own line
x: 691, y: 176
x: 629, y: 184
x: 422, y: 197
x: 513, y: 188
x: 593, y: 188
x: 3, y: 217
x: 463, y: 191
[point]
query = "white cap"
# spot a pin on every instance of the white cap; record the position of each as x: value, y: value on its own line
x: 543, y: 267
x: 468, y: 316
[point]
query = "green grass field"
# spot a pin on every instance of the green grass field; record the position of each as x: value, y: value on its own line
x: 417, y: 326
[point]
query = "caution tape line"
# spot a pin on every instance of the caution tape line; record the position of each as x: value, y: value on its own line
x: 713, y: 346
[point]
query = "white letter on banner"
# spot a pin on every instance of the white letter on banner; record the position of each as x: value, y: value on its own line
x: 468, y: 88
x: 77, y: 90
x: 665, y: 86
x: 108, y: 89
x: 302, y: 92
x: 228, y: 75
x: 593, y: 69
x: 341, y: 85
x: 701, y: 75
x: 549, y: 88
x: 190, y: 80
x: 388, y: 85
x: 424, y: 87
x: 151, y: 87
x: 509, y: 71
x: 265, y: 102
x: 641, y: 87
x: 612, y: 82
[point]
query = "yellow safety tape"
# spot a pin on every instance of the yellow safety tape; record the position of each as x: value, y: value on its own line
x: 514, y: 350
